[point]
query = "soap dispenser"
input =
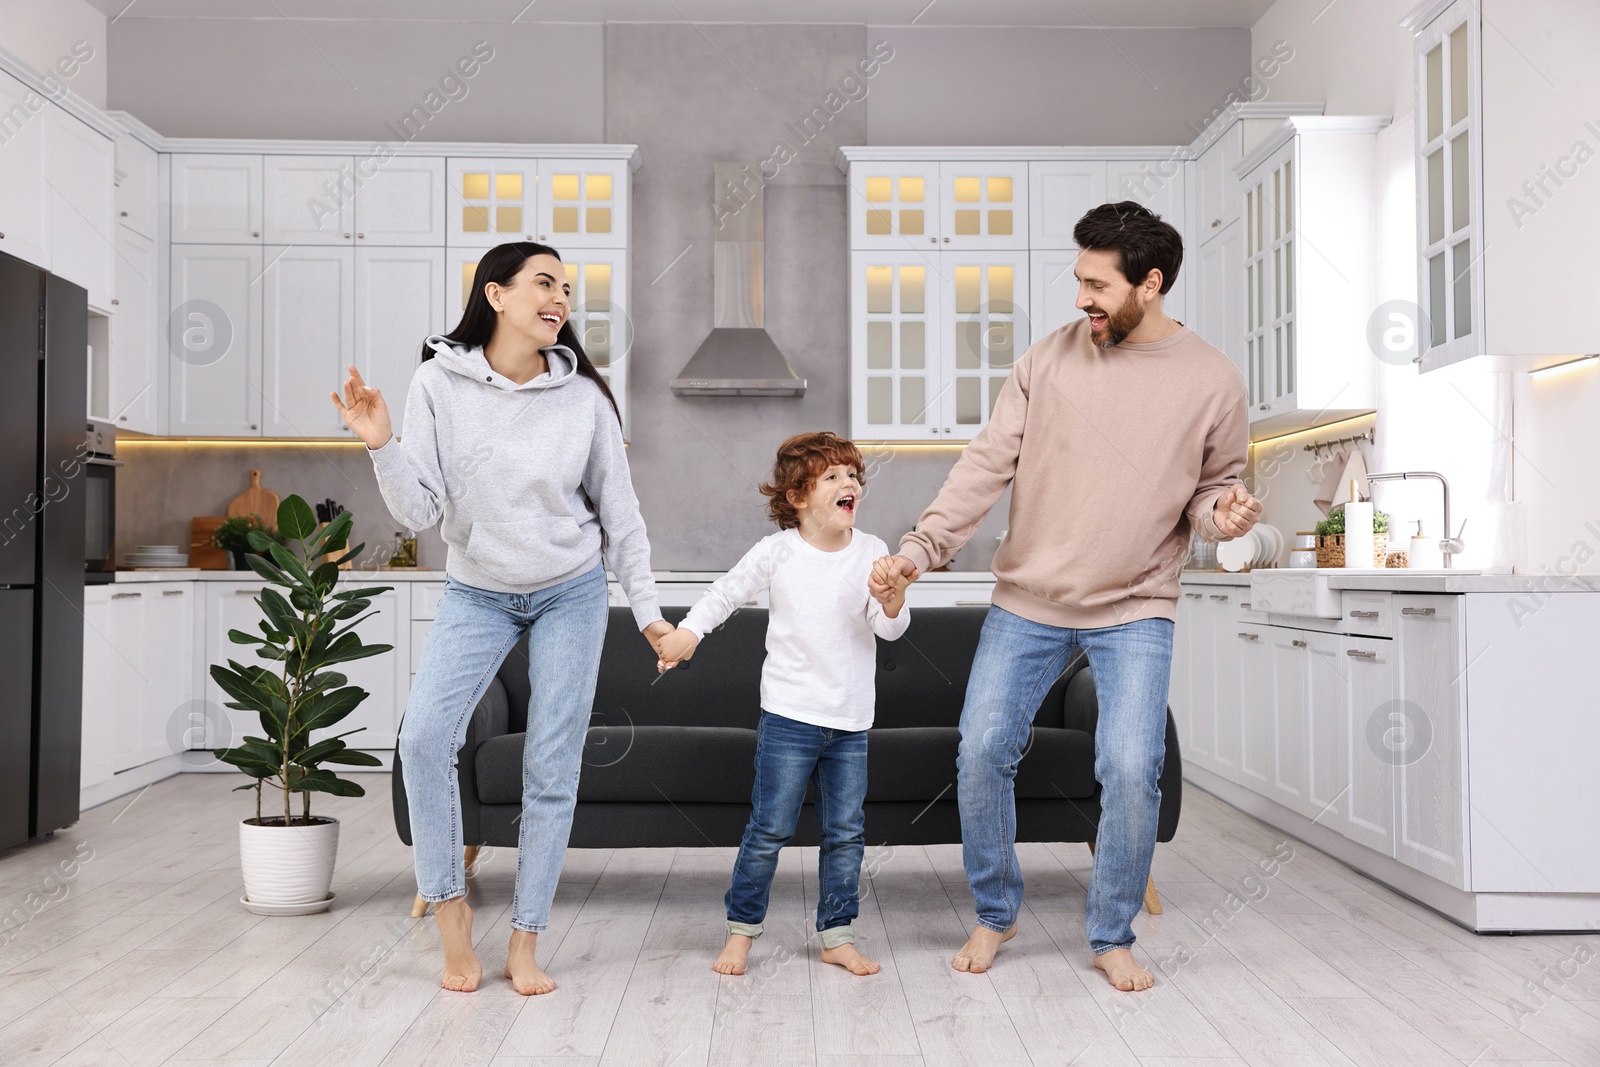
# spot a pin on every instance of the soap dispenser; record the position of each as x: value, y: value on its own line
x: 1424, y: 553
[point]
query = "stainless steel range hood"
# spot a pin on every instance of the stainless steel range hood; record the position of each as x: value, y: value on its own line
x: 738, y: 358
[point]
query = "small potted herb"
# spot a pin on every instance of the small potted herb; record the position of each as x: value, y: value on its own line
x: 233, y: 537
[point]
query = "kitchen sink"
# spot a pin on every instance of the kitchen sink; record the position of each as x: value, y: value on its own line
x: 1290, y: 591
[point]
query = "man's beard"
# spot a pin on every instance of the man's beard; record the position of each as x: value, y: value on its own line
x: 1120, y: 323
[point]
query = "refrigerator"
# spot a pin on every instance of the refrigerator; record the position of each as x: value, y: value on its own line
x: 43, y: 401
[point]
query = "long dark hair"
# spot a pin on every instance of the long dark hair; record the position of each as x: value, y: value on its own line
x: 500, y: 265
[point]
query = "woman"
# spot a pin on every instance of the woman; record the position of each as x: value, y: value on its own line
x: 515, y: 442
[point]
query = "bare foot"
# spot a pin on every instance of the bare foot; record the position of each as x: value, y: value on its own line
x: 734, y: 955
x: 1123, y: 971
x: 977, y: 955
x: 462, y: 971
x: 847, y: 957
x: 526, y: 977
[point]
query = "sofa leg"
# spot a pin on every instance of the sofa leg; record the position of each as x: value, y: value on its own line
x: 1152, y: 901
x: 469, y: 856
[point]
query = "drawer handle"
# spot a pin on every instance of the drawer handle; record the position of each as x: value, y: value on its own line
x: 1363, y: 614
x: 1297, y: 643
x: 1192, y: 596
x: 1416, y: 611
x: 1245, y: 604
x: 246, y: 592
x: 1219, y: 596
x: 126, y: 596
x: 1356, y: 653
x: 172, y: 592
x: 1249, y: 637
x: 972, y: 603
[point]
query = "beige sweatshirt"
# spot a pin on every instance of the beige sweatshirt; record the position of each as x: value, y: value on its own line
x: 1113, y: 455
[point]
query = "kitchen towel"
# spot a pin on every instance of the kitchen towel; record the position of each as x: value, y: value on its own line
x: 1350, y: 466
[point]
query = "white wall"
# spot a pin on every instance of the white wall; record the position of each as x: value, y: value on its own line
x: 45, y: 33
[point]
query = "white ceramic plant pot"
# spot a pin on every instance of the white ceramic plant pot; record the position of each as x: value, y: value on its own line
x: 288, y: 869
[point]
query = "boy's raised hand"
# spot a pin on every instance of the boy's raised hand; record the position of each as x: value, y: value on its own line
x: 674, y: 648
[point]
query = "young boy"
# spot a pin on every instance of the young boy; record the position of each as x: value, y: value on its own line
x: 817, y: 693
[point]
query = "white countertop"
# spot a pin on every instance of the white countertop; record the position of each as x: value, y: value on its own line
x: 1401, y: 580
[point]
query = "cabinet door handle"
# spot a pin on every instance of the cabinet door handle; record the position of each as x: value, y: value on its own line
x: 347, y: 237
x: 246, y: 592
x: 1416, y: 611
x: 361, y: 237
x: 1363, y: 614
x: 1244, y: 605
x: 255, y: 233
x: 126, y: 596
x: 1356, y: 653
x: 1192, y: 596
x: 1221, y: 597
x: 1266, y: 407
x: 1297, y: 643
x: 172, y: 592
x: 1249, y: 636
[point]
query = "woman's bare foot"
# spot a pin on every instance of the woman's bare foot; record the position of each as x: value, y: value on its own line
x: 977, y: 955
x: 462, y: 971
x: 846, y: 956
x: 526, y: 976
x: 734, y: 955
x: 1123, y: 971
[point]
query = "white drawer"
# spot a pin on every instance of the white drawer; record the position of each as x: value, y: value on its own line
x: 1370, y: 614
x: 949, y: 594
x: 425, y: 597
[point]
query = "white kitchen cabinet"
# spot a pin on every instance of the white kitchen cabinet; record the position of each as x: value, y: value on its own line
x: 491, y: 201
x: 894, y: 205
x: 137, y: 199
x: 1216, y: 193
x: 1327, y: 728
x: 401, y: 201
x: 1059, y: 192
x: 1196, y: 635
x: 1228, y: 685
x: 1053, y: 288
x: 1159, y: 185
x: 1218, y: 291
x: 133, y: 381
x: 1431, y: 833
x: 1489, y: 225
x: 399, y: 300
x: 308, y: 200
x: 1308, y: 256
x: 214, y: 341
x: 1180, y: 679
x: 1288, y: 775
x: 216, y: 199
x: 102, y: 671
x: 986, y: 329
x: 1372, y: 670
x: 137, y: 674
x: 23, y: 193
x: 984, y: 204
x: 583, y: 203
x: 308, y: 297
x: 170, y: 611
x: 79, y: 168
x: 1257, y: 733
x: 600, y: 315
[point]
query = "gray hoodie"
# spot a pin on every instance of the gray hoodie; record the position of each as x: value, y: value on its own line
x: 531, y: 480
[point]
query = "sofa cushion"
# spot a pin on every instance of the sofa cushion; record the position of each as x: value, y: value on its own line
x: 684, y: 765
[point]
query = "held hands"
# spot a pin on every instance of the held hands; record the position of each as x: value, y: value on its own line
x: 364, y: 411
x: 657, y: 632
x: 1236, y: 511
x: 888, y: 580
x: 674, y: 648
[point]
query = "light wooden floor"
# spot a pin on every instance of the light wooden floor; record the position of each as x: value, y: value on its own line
x: 144, y: 955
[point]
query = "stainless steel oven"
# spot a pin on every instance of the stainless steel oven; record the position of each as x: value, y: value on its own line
x: 100, y: 465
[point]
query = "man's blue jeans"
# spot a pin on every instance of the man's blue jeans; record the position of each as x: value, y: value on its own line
x: 790, y: 755
x: 1016, y: 664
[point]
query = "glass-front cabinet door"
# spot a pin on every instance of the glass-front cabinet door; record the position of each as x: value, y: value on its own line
x: 984, y: 204
x: 491, y: 201
x: 1269, y: 205
x: 986, y: 299
x: 1448, y: 177
x: 583, y: 203
x: 895, y: 368
x: 599, y: 280
x: 894, y: 205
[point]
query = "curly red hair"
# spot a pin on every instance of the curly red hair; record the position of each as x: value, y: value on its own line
x: 802, y: 459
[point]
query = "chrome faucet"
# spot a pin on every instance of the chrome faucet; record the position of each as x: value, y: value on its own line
x: 1448, y: 545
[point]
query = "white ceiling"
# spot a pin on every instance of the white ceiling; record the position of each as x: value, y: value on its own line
x: 1098, y: 14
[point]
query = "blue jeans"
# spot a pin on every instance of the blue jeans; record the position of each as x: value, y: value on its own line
x: 1016, y: 664
x: 789, y: 755
x: 472, y: 633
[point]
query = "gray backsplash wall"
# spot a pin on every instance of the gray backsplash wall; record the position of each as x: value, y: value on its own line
x: 690, y: 97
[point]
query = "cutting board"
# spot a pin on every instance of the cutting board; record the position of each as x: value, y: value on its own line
x: 256, y: 501
x: 201, y: 552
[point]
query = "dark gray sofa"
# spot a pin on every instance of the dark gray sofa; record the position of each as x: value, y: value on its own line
x: 671, y: 764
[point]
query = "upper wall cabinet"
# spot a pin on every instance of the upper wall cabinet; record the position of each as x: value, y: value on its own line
x: 305, y: 201
x: 1490, y: 227
x: 216, y: 199
x: 1059, y: 192
x: 492, y: 201
x: 583, y: 203
x: 79, y: 168
x: 403, y: 202
x: 1216, y: 186
x: 1305, y: 197
x: 22, y: 190
x: 354, y: 200
x: 137, y: 198
x: 965, y: 204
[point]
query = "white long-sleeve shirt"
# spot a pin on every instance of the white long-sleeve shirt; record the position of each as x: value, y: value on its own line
x: 821, y: 659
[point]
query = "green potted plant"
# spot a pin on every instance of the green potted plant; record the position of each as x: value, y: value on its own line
x: 1330, y: 536
x: 307, y: 628
x: 233, y: 537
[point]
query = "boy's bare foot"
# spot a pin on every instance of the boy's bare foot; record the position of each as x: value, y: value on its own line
x: 977, y: 955
x: 526, y: 977
x: 734, y: 955
x: 462, y: 971
x: 1123, y: 971
x: 846, y: 956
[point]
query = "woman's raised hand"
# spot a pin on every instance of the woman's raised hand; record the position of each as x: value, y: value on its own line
x: 364, y: 411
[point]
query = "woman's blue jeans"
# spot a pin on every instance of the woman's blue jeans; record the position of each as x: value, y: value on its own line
x: 472, y: 633
x: 1016, y: 664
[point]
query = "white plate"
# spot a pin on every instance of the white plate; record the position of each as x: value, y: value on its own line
x: 1235, y: 555
x: 288, y: 909
x: 1271, y: 542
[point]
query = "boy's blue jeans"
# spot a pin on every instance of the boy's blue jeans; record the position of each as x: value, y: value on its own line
x: 472, y: 633
x: 1016, y: 664
x: 790, y: 755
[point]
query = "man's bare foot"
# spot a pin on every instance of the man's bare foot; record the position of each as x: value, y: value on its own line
x: 977, y: 955
x: 526, y: 977
x: 734, y: 955
x: 462, y: 971
x: 1123, y: 971
x: 846, y: 956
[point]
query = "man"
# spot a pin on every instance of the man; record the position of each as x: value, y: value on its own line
x: 1118, y: 433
